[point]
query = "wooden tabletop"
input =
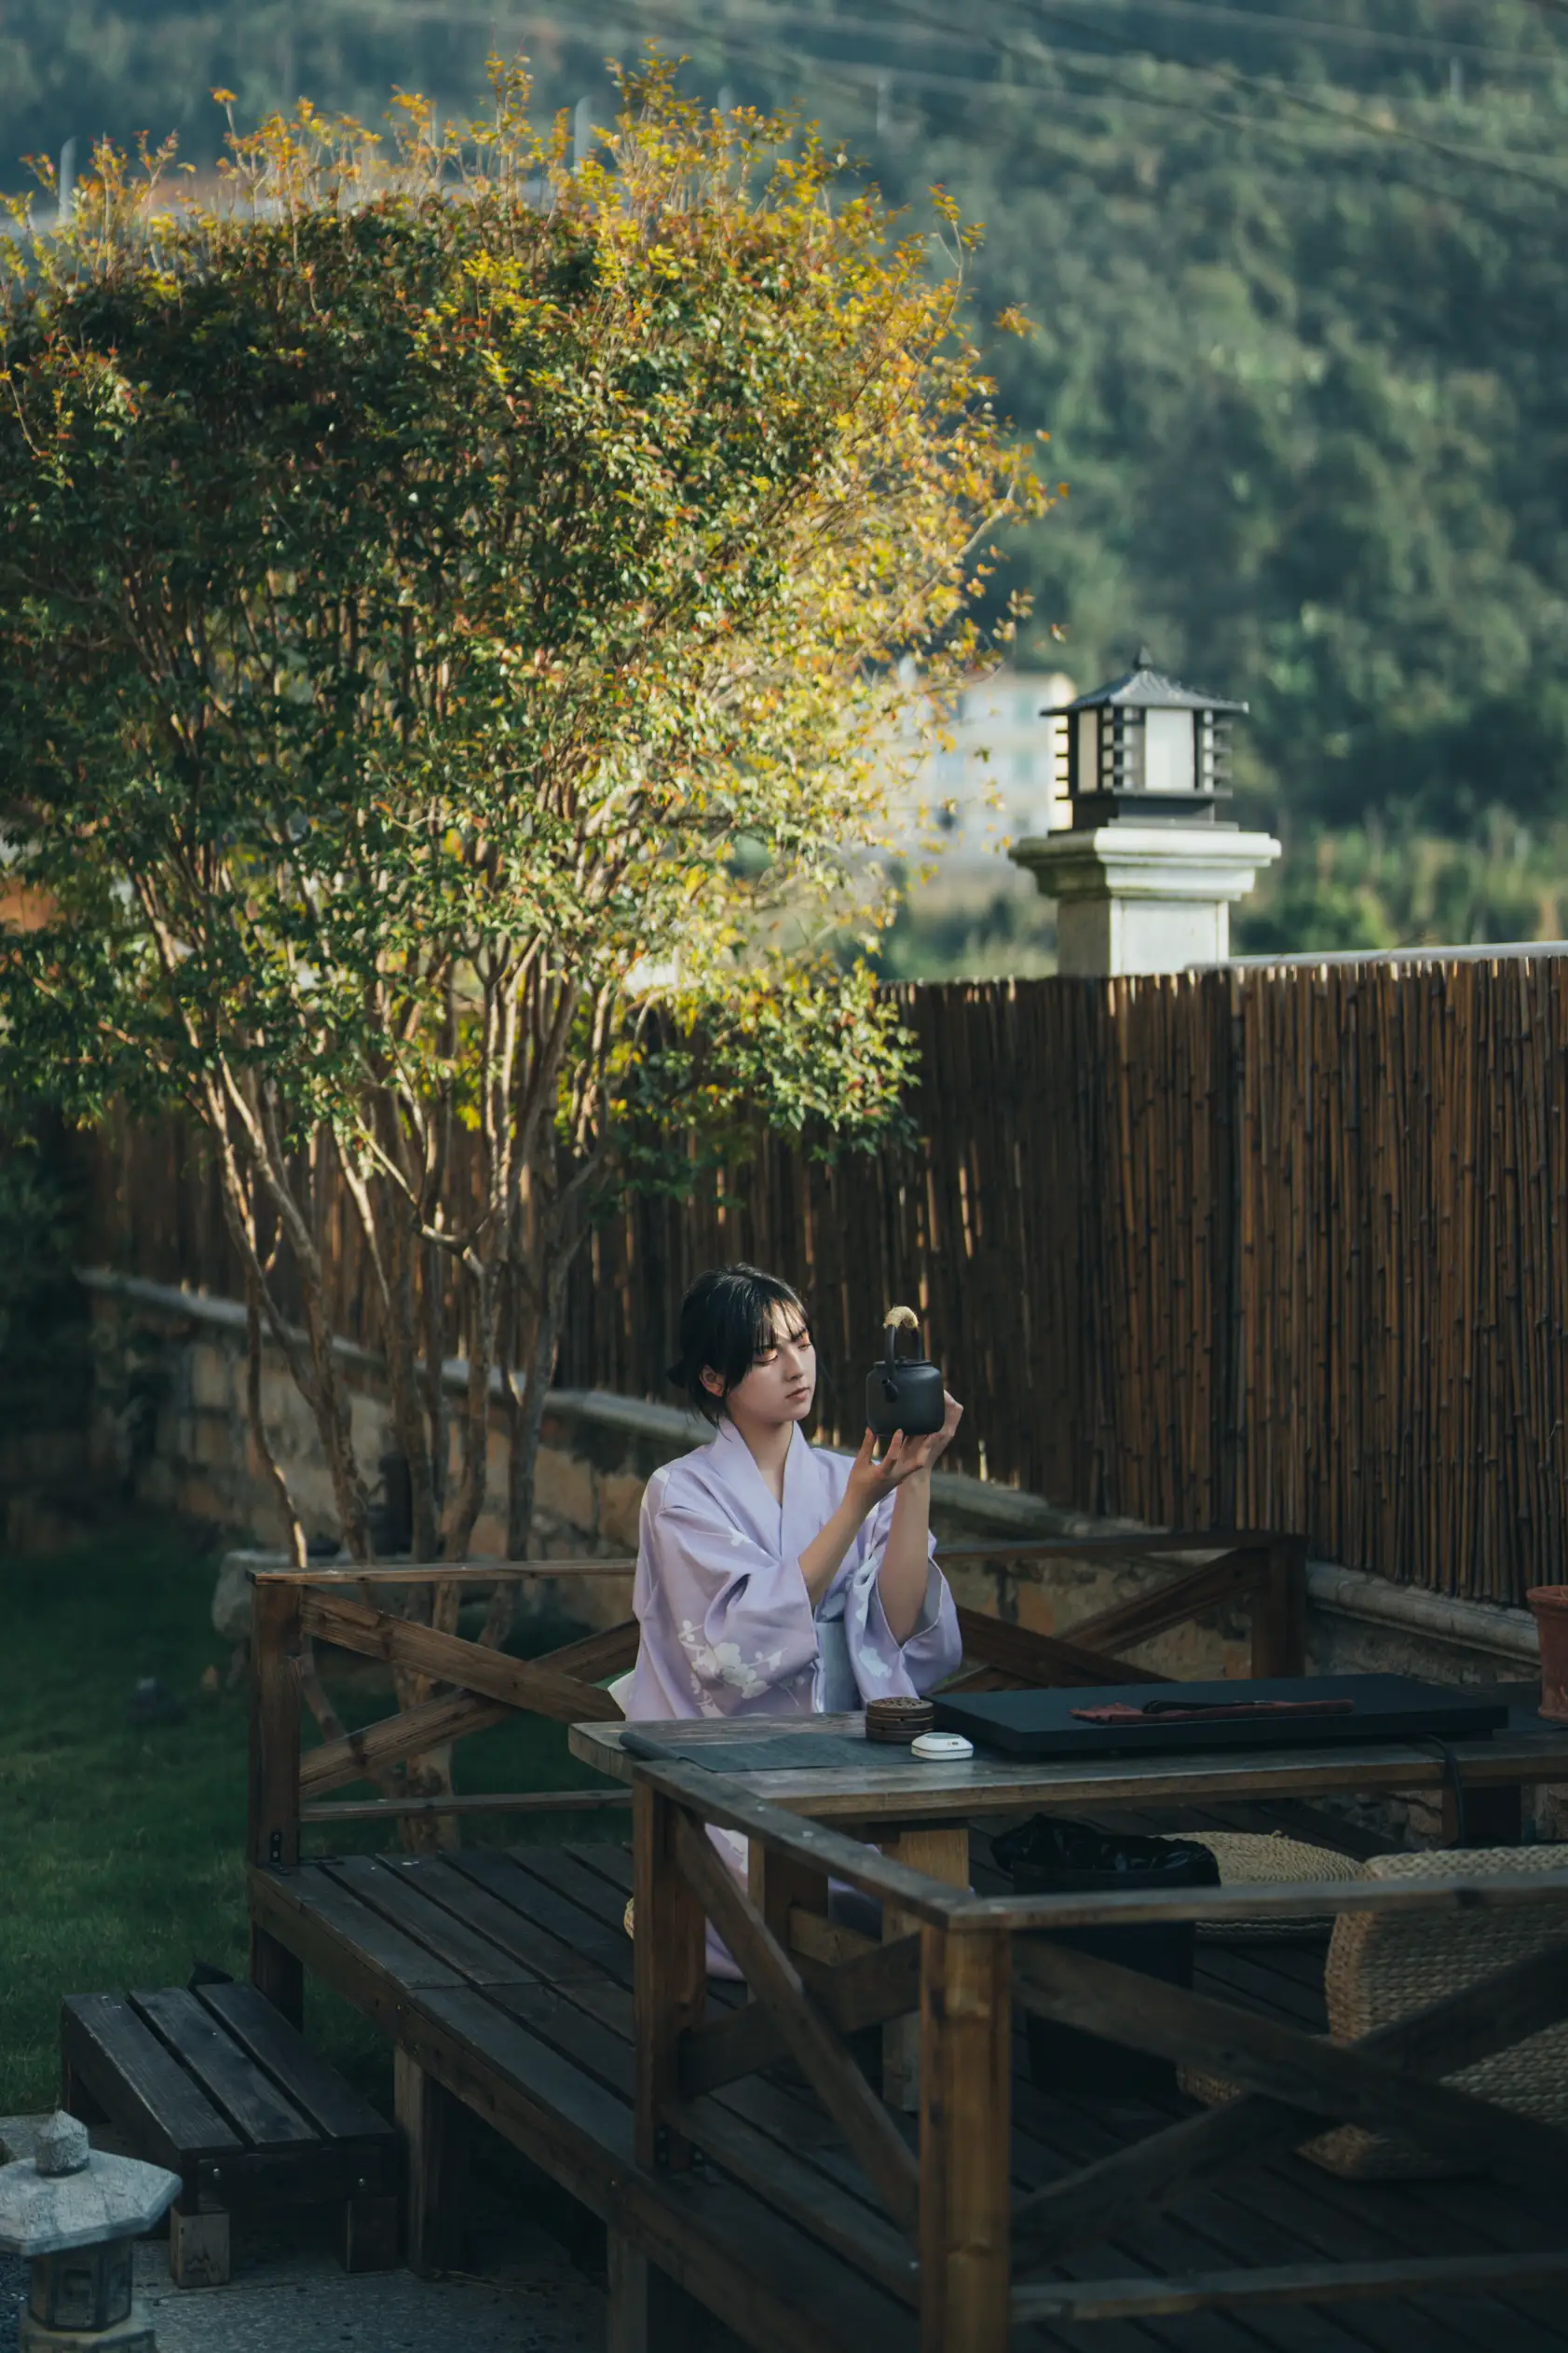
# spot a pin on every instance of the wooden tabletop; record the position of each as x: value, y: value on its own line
x: 893, y: 1786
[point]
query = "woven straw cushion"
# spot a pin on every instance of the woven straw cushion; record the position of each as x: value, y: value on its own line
x: 1249, y: 1859
x: 1382, y: 1967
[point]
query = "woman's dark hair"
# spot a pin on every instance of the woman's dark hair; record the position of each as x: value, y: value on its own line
x: 726, y: 1321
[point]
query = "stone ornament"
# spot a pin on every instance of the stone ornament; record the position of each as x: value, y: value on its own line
x: 69, y: 2195
x: 74, y: 2212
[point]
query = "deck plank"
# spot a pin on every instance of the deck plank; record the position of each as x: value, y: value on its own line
x: 792, y: 2124
x: 335, y: 2107
x: 385, y: 1883
x: 362, y: 1931
x: 121, y: 2062
x: 258, y: 2110
x: 743, y: 2248
x: 532, y: 2025
x: 785, y: 2118
x: 506, y: 1875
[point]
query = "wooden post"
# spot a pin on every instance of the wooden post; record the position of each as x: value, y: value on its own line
x: 198, y: 2245
x: 965, y: 2130
x: 778, y: 1885
x: 1279, y: 1612
x: 647, y: 2312
x: 273, y: 1834
x: 433, y: 2126
x: 366, y: 2233
x: 672, y: 1982
x: 940, y: 1849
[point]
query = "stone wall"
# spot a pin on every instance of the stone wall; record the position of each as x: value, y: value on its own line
x: 169, y: 1429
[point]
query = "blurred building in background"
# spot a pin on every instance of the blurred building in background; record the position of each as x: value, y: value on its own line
x: 1002, y: 774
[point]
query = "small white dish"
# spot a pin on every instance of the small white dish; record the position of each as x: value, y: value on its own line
x: 942, y: 1749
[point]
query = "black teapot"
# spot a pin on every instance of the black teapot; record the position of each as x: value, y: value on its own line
x: 904, y: 1393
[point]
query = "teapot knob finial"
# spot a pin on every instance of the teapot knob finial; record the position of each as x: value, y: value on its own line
x: 896, y: 1320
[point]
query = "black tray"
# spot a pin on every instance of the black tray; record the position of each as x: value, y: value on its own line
x: 1385, y: 1707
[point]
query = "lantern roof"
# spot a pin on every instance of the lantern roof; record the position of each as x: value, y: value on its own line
x: 1144, y: 687
x: 68, y: 2194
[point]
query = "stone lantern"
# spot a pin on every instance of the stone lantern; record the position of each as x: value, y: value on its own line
x: 75, y: 2215
x: 1145, y: 875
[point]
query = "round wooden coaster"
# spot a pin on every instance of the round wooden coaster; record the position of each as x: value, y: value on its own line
x: 898, y: 1720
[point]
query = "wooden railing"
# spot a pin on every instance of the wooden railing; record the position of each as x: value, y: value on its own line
x: 953, y: 2239
x: 1266, y: 1571
x: 293, y: 1610
x: 290, y: 1787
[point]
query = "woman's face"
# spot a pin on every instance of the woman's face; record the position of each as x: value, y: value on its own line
x: 782, y: 1380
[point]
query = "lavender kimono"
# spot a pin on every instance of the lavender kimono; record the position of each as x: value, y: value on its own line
x: 728, y: 1627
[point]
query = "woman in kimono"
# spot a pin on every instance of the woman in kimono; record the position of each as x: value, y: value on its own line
x: 774, y: 1578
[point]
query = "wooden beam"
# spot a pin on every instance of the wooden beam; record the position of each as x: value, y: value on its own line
x: 733, y: 1808
x: 941, y: 1851
x: 354, y: 1625
x: 484, y: 1801
x: 1049, y: 1661
x: 1305, y: 1899
x: 440, y: 1572
x: 412, y: 1731
x: 1184, y: 2159
x: 671, y: 1977
x: 810, y: 1936
x: 594, y: 1656
x: 965, y: 2133
x: 272, y: 1831
x: 645, y: 2310
x: 1211, y: 1587
x: 1139, y: 2299
x: 1279, y: 1612
x: 872, y: 2135
x: 435, y: 2135
x: 1304, y: 2071
x: 883, y: 1983
x: 1134, y: 1545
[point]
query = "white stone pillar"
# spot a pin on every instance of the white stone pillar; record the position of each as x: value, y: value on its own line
x: 1144, y: 897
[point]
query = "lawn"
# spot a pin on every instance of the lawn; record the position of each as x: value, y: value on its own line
x: 121, y: 1845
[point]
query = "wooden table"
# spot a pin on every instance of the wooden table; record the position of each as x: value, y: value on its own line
x: 892, y: 1788
x: 919, y: 1814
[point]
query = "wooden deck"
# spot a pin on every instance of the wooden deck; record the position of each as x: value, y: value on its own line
x: 506, y: 1977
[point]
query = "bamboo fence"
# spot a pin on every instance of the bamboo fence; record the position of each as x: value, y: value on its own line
x: 1271, y: 1249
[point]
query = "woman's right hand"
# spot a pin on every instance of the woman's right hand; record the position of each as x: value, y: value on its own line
x: 872, y: 1479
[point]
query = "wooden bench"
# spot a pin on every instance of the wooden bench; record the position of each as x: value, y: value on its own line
x: 217, y: 2086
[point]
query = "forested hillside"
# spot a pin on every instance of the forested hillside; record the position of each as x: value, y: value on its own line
x: 1301, y: 293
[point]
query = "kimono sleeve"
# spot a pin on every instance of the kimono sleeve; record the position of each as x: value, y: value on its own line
x: 884, y: 1666
x: 733, y: 1621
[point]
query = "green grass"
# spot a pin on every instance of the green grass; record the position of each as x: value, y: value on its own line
x: 121, y: 1847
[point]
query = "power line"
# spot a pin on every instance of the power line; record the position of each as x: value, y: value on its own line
x: 942, y: 28
x: 1265, y: 23
x: 1251, y: 83
x: 1073, y: 64
x: 736, y: 34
